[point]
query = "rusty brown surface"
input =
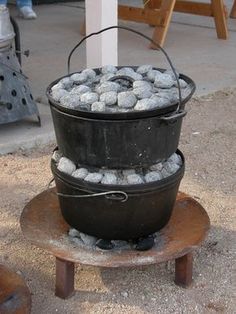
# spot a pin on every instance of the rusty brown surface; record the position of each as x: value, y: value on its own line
x: 43, y: 225
x: 184, y: 270
x: 64, y: 278
x: 15, y: 296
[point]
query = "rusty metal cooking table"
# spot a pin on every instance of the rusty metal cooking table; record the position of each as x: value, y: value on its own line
x: 43, y: 225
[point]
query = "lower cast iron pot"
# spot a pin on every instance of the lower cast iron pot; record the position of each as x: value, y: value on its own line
x: 114, y: 212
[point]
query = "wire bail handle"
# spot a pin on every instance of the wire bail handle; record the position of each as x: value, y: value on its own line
x: 110, y: 195
x: 180, y: 105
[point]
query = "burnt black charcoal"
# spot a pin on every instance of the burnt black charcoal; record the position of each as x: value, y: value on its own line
x: 104, y: 244
x: 144, y: 244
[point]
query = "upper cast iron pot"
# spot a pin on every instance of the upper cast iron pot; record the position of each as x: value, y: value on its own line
x: 118, y: 140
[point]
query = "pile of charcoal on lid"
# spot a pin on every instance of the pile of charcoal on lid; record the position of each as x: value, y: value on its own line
x: 117, y: 90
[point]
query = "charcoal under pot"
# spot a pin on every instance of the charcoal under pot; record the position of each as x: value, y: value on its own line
x: 147, y: 209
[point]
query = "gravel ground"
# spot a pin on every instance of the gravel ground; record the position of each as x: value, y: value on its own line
x: 208, y: 142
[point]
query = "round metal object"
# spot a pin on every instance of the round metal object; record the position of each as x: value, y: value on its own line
x: 146, y: 210
x: 6, y: 30
x: 15, y: 296
x: 43, y: 225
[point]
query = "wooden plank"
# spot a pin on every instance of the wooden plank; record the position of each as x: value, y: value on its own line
x: 150, y: 4
x: 140, y: 15
x: 160, y: 32
x: 233, y: 11
x: 219, y: 18
x: 191, y: 7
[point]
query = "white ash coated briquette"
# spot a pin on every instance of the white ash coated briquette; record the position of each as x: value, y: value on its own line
x: 165, y: 173
x: 66, y: 82
x: 153, y: 74
x: 58, y: 86
x: 142, y: 84
x: 109, y: 98
x: 109, y: 178
x: 126, y: 99
x: 81, y: 89
x: 106, y: 77
x: 74, y: 233
x: 90, y: 74
x: 89, y: 98
x: 134, y: 179
x: 143, y: 69
x: 141, y: 93
x: 57, y: 94
x: 88, y: 239
x: 170, y: 167
x: 80, y: 173
x: 176, y: 159
x: 145, y: 104
x: 164, y: 81
x: 66, y: 165
x: 94, y: 177
x: 98, y: 106
x: 159, y: 165
x: 105, y: 176
x: 108, y: 86
x: 160, y: 101
x: 108, y: 69
x: 69, y: 101
x: 56, y: 156
x: 182, y: 83
x: 171, y: 73
x: 127, y: 172
x: 79, y: 78
x: 153, y: 176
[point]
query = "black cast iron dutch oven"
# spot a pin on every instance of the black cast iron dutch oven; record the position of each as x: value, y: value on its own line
x: 119, y: 140
x: 121, y: 212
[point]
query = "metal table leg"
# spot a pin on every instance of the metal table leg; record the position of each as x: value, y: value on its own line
x: 184, y: 270
x: 64, y: 278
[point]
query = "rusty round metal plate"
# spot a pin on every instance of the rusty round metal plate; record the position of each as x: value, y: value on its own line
x: 43, y: 225
x: 14, y: 294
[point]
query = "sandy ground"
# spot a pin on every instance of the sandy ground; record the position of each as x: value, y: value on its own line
x: 208, y: 142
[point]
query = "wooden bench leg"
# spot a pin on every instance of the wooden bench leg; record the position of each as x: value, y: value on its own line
x: 184, y: 270
x: 233, y: 11
x: 220, y: 19
x: 160, y: 32
x: 150, y: 4
x: 83, y: 28
x: 64, y: 278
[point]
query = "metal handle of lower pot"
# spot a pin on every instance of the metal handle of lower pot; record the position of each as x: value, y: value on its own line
x: 180, y: 106
x: 112, y: 195
x: 174, y: 117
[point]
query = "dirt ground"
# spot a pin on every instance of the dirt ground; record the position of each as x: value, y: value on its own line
x: 208, y: 143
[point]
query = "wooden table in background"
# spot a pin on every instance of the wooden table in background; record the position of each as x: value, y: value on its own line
x: 158, y: 13
x: 233, y: 11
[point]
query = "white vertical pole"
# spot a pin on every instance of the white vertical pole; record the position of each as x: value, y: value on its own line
x: 101, y: 49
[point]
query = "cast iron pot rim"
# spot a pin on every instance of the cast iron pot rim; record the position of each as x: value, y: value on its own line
x: 120, y: 116
x: 90, y: 187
